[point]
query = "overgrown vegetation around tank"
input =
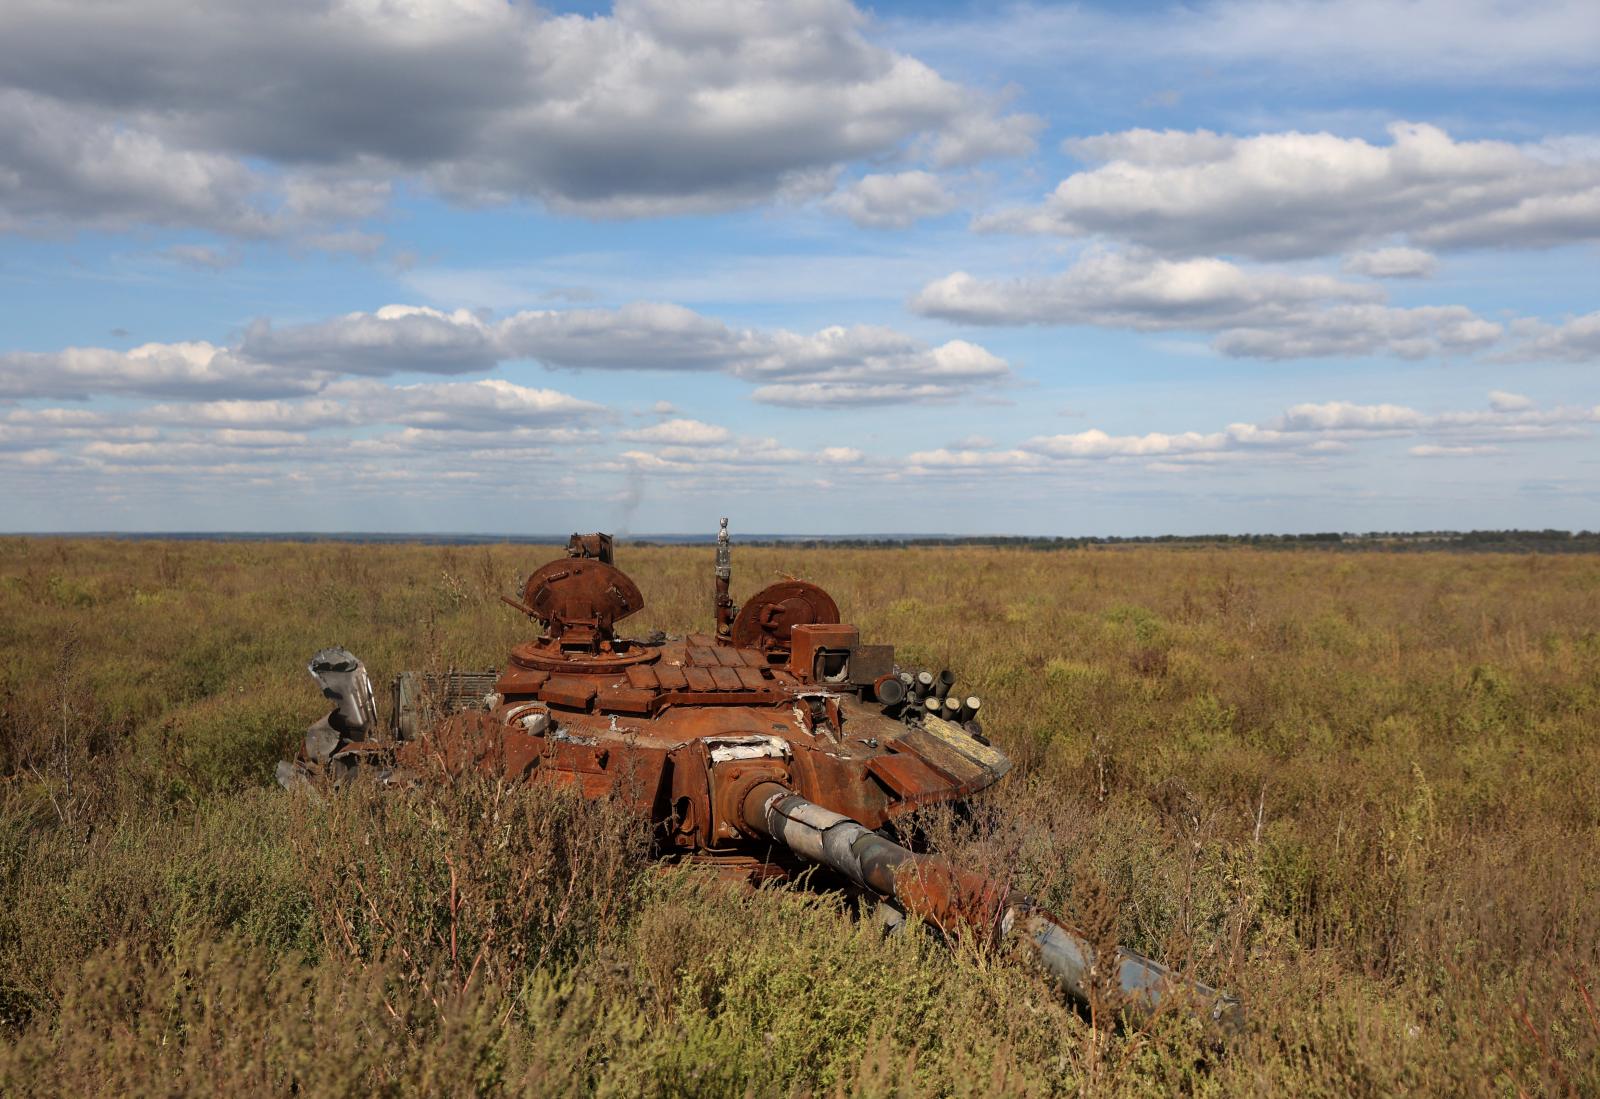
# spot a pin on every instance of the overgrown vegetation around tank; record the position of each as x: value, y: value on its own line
x: 1361, y: 791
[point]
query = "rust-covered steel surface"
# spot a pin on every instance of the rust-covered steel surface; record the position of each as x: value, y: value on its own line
x: 778, y: 734
x: 677, y: 725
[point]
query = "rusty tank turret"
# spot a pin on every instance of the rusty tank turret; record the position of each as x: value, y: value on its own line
x: 778, y: 740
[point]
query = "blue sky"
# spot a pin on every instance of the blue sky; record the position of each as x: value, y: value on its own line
x: 457, y: 265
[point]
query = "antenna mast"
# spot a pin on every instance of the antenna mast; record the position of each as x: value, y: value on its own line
x: 724, y: 601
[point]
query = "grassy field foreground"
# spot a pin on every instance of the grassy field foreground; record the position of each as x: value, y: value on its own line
x: 1361, y: 791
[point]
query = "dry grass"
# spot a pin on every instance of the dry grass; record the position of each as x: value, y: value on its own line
x: 1362, y: 791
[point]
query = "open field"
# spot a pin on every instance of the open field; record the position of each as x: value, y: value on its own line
x: 1361, y: 791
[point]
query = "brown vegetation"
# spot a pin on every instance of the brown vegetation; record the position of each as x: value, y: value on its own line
x: 1363, y: 792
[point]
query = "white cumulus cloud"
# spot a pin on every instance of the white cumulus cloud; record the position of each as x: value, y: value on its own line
x: 242, y: 117
x: 1576, y: 340
x: 859, y: 364
x: 1502, y: 401
x: 679, y: 432
x: 392, y: 340
x: 1310, y: 432
x: 1432, y: 450
x: 1255, y: 312
x: 893, y: 201
x: 483, y: 404
x: 1392, y: 263
x: 1294, y: 195
x: 155, y: 369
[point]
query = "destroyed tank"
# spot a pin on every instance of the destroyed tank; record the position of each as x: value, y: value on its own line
x: 777, y: 741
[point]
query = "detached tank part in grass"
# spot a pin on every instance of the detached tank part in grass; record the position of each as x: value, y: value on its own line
x: 777, y: 741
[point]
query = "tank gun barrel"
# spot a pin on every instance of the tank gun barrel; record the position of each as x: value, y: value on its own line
x: 957, y: 901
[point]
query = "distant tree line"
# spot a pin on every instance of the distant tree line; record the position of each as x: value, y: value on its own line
x: 1471, y: 541
x: 1502, y: 541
